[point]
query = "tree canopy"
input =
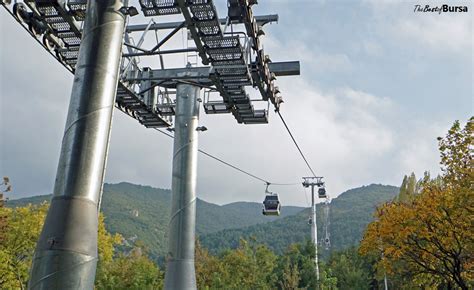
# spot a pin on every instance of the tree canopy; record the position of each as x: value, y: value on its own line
x: 428, y: 240
x: 423, y: 238
x: 20, y: 234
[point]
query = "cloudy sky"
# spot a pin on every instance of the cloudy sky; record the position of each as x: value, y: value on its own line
x: 378, y: 84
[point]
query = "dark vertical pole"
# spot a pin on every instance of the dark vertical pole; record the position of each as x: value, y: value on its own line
x: 66, y: 253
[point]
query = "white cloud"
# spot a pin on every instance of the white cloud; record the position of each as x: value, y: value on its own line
x: 324, y: 62
x: 423, y: 31
x: 352, y: 136
x: 418, y: 148
x: 443, y: 33
x: 309, y: 56
x: 343, y: 133
x: 372, y: 48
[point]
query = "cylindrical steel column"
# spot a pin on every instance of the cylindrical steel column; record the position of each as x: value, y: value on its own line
x: 66, y: 253
x: 180, y: 271
x: 314, y: 231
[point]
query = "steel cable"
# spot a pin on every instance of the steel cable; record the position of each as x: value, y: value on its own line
x: 231, y: 165
x: 296, y: 144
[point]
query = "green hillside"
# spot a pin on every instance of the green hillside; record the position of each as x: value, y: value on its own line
x: 142, y: 212
x: 349, y: 215
x: 37, y: 199
x: 353, y: 210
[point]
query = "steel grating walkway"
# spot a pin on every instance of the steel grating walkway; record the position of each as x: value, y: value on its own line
x: 228, y: 58
x: 226, y: 55
x: 57, y: 25
x: 64, y: 37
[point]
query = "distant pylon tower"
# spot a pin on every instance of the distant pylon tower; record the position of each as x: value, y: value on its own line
x: 312, y: 182
x: 326, y: 241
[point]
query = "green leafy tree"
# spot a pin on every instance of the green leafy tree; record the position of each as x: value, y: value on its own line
x: 5, y: 187
x: 290, y: 277
x: 106, y: 248
x: 328, y: 281
x: 350, y: 269
x: 297, y: 262
x: 248, y: 267
x: 411, y: 186
x: 208, y: 268
x: 18, y: 243
x: 456, y: 156
x: 254, y: 266
x: 403, y: 194
x: 21, y: 232
x: 131, y: 271
x: 408, y: 189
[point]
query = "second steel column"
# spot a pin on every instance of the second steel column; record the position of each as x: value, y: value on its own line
x: 314, y: 231
x: 180, y: 271
x: 66, y: 253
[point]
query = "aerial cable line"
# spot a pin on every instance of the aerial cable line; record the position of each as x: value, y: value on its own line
x: 232, y: 166
x: 296, y: 144
x: 243, y: 171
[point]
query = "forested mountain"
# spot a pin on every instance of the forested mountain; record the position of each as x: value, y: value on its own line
x: 349, y: 215
x: 142, y: 212
x: 420, y: 237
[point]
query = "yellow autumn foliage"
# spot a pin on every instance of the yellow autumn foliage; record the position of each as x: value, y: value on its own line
x: 429, y: 241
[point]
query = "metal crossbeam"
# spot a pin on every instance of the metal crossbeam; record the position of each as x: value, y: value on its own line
x: 200, y: 75
x: 285, y: 68
x: 166, y: 38
x: 261, y: 20
x: 59, y: 22
x: 159, y: 52
x: 170, y: 74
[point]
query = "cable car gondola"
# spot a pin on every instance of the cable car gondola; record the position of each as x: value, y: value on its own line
x: 271, y: 203
x: 322, y: 192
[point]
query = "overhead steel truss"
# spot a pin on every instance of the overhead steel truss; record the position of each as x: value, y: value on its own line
x: 235, y: 60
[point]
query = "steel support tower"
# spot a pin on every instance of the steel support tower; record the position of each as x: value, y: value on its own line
x: 312, y: 182
x: 180, y: 272
x: 66, y: 253
x: 326, y: 223
x: 87, y: 38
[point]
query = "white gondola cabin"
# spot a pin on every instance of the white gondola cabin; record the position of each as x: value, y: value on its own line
x: 271, y: 205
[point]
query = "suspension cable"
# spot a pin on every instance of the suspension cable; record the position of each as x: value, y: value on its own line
x: 231, y: 165
x: 242, y: 170
x: 296, y: 144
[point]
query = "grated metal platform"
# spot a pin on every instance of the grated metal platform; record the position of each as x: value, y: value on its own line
x: 61, y: 27
x: 236, y: 59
